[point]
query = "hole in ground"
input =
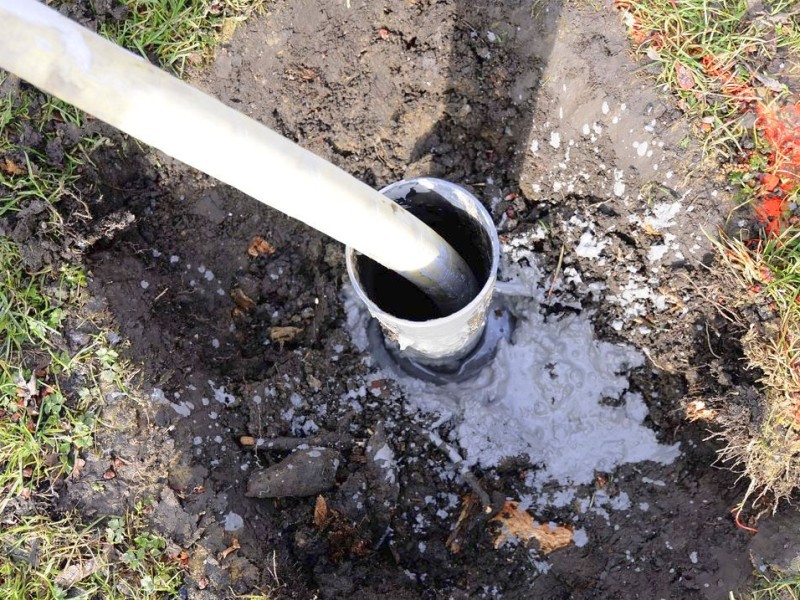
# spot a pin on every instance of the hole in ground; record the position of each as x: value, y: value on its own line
x: 396, y: 295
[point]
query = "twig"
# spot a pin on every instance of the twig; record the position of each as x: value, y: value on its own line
x: 285, y: 444
x: 463, y: 469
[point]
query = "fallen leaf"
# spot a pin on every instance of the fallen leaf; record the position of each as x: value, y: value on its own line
x: 72, y: 574
x: 697, y: 410
x: 653, y: 54
x: 232, y: 548
x: 685, y: 77
x: 283, y: 334
x: 182, y: 558
x: 259, y: 245
x: 242, y: 300
x: 27, y: 389
x: 517, y: 524
x: 9, y: 167
x: 321, y: 513
x: 769, y: 82
x: 360, y: 548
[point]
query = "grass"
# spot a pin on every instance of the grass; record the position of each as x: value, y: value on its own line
x: 43, y: 429
x: 777, y: 586
x: 710, y: 55
x: 178, y: 34
x: 51, y: 397
x: 38, y: 431
x: 715, y: 56
x: 120, y: 560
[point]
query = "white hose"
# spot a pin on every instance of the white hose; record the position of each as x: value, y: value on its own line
x: 68, y: 61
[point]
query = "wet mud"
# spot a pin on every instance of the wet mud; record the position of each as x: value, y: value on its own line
x: 244, y: 356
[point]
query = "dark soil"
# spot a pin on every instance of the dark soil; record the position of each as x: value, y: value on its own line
x: 493, y: 96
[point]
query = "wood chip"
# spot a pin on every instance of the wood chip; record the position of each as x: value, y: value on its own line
x: 9, y: 167
x: 232, y: 548
x: 328, y: 439
x: 517, y: 524
x: 321, y: 514
x: 470, y: 508
x: 242, y: 300
x: 259, y: 245
x: 283, y: 334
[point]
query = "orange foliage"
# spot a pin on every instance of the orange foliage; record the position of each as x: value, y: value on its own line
x: 779, y: 124
x: 732, y: 85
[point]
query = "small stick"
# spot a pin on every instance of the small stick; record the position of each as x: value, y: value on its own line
x: 463, y: 469
x: 285, y: 444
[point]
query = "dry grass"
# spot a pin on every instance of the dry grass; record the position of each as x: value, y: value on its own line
x: 762, y: 435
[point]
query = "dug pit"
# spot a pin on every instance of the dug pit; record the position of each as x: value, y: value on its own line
x: 536, y: 109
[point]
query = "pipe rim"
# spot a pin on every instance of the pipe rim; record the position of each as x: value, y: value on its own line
x: 446, y: 190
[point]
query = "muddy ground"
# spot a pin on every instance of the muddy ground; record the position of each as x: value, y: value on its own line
x: 537, y: 108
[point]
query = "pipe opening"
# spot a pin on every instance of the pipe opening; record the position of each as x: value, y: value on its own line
x: 409, y: 334
x: 397, y: 296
